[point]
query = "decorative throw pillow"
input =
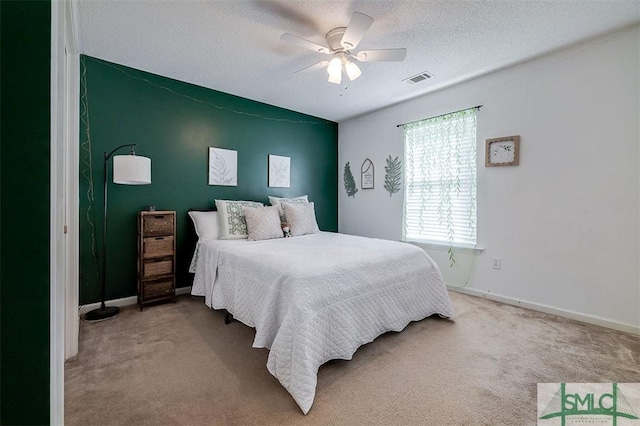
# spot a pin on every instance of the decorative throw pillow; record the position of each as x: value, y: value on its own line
x: 232, y: 222
x: 301, y: 218
x: 263, y: 223
x: 207, y: 225
x: 278, y: 201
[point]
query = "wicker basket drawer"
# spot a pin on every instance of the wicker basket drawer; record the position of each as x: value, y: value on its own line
x: 158, y: 224
x: 154, y: 267
x: 158, y: 246
x: 153, y: 289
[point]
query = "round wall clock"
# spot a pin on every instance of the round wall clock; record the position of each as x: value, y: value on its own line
x: 503, y: 151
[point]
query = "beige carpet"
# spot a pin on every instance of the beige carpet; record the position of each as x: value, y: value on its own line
x: 179, y: 364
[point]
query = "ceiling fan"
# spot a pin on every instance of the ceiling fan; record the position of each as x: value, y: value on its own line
x: 341, y: 41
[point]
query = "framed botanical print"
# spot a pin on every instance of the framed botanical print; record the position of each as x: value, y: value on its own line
x: 223, y: 167
x: 279, y: 171
x: 502, y: 151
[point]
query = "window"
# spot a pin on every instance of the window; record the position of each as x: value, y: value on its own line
x: 440, y: 180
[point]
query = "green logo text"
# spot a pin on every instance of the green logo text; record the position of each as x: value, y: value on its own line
x: 612, y: 404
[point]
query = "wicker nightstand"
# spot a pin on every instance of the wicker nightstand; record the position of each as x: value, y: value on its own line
x: 156, y: 256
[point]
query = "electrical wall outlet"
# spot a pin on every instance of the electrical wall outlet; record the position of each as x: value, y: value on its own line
x: 497, y: 263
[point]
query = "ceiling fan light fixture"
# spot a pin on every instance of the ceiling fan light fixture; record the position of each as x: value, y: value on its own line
x: 334, y: 66
x: 335, y: 70
x: 342, y: 41
x: 353, y: 71
x: 335, y: 78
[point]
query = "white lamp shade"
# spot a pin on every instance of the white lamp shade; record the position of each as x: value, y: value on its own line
x: 131, y: 170
x: 335, y: 70
x: 335, y: 78
x: 335, y: 65
x: 353, y: 71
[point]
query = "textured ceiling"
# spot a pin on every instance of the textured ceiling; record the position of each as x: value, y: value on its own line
x: 235, y: 47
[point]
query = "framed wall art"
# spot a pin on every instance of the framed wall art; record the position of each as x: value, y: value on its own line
x: 502, y: 151
x: 367, y: 174
x: 279, y: 171
x: 223, y: 167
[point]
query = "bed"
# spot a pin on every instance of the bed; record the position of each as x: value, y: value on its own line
x: 317, y: 297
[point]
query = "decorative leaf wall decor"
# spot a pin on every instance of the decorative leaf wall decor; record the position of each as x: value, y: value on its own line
x: 349, y: 181
x: 393, y: 175
x: 219, y: 170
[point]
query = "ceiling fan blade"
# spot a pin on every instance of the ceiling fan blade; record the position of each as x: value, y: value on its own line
x: 356, y: 29
x: 290, y: 38
x: 381, y: 55
x: 314, y: 67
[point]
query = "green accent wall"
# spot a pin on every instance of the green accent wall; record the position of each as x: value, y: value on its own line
x: 174, y: 123
x: 24, y: 219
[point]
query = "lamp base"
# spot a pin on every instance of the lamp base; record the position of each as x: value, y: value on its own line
x: 102, y: 313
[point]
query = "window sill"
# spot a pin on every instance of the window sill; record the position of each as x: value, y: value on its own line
x: 445, y: 247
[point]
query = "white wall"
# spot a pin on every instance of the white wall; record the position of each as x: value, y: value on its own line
x: 566, y: 220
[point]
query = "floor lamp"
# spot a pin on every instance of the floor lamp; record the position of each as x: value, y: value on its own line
x: 129, y: 169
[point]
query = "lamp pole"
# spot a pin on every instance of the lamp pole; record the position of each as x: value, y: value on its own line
x: 105, y: 312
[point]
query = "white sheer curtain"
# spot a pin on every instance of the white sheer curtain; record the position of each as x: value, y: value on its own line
x: 440, y: 180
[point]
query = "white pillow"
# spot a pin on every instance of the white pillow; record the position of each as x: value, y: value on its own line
x: 207, y: 225
x: 263, y: 223
x: 301, y: 218
x: 278, y: 201
x: 232, y: 221
x: 275, y: 200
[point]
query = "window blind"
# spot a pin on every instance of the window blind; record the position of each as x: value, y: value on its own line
x: 440, y: 179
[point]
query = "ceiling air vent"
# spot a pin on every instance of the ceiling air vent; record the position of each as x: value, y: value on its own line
x: 418, y: 77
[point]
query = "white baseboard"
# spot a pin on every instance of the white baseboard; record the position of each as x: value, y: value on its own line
x: 125, y: 301
x: 589, y: 319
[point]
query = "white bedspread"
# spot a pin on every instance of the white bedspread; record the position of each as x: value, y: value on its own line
x: 318, y: 297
